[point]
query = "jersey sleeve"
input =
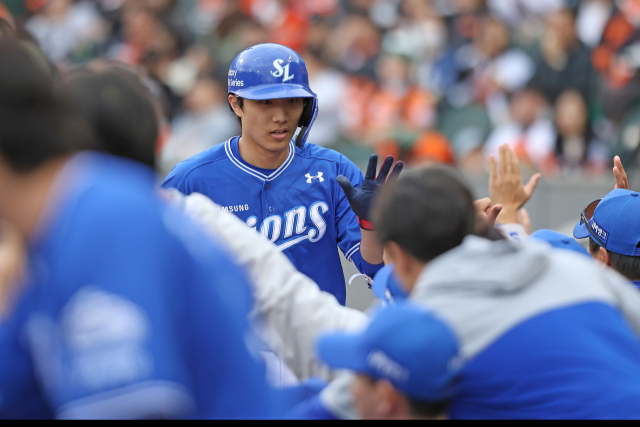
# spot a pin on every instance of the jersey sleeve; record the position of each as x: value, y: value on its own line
x: 155, y: 326
x: 177, y: 179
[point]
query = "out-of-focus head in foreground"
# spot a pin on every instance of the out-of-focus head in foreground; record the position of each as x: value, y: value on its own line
x: 425, y: 213
x: 406, y: 361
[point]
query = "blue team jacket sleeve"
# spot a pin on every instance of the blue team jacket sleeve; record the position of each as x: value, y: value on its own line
x: 155, y: 321
x: 347, y: 223
x: 20, y: 394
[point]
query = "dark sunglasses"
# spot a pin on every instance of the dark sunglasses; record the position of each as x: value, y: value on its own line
x: 586, y: 215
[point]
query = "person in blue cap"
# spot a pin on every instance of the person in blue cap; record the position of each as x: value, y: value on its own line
x: 406, y: 363
x: 558, y: 240
x: 306, y: 199
x: 612, y: 225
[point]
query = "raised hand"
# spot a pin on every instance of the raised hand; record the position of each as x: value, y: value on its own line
x: 361, y: 198
x: 619, y: 174
x: 506, y: 187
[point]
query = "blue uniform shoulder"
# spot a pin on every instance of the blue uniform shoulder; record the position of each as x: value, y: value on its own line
x: 316, y: 153
x: 183, y: 169
x: 313, y: 151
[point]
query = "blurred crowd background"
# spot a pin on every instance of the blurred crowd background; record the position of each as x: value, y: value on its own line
x: 427, y: 80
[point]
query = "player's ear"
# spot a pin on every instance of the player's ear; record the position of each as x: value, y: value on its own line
x: 601, y: 255
x: 235, y: 105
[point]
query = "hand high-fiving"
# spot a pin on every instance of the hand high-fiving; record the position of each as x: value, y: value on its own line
x: 505, y: 184
x: 361, y: 198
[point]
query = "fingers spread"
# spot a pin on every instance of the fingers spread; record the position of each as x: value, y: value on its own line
x: 395, y: 173
x: 371, y: 168
x: 384, y: 169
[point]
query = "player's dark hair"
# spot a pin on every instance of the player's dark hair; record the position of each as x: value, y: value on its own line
x: 422, y: 409
x: 35, y: 123
x: 119, y: 109
x: 426, y: 211
x: 628, y: 266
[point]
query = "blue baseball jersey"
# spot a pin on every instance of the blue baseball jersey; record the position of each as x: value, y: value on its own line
x: 130, y: 311
x: 300, y: 206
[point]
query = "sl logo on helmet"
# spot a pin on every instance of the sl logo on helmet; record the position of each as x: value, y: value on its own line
x: 280, y: 70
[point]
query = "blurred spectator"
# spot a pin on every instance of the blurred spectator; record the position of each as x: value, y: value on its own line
x: 563, y: 62
x: 530, y: 131
x: 387, y: 72
x: 420, y: 34
x: 592, y: 16
x: 576, y: 143
x: 63, y: 26
x: 617, y: 59
x: 206, y: 122
x: 514, y: 12
x: 330, y: 85
x: 354, y: 45
x: 484, y: 70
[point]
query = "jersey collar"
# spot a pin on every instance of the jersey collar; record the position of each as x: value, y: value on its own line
x: 254, y: 172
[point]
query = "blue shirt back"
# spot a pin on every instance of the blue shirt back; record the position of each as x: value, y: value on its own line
x: 575, y: 362
x: 300, y: 206
x: 131, y: 312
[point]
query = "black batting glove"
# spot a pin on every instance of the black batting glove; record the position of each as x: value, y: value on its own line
x: 361, y: 198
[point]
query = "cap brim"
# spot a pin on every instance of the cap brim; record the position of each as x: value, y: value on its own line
x: 274, y: 91
x: 340, y: 350
x: 580, y: 231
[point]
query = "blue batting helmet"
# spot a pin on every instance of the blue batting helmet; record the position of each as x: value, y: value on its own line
x: 273, y: 71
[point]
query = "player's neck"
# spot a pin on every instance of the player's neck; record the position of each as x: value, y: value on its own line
x: 257, y: 156
x: 25, y: 196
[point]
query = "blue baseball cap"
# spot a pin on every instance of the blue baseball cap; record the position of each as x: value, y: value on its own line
x: 615, y: 224
x: 385, y: 280
x: 404, y: 344
x: 273, y: 71
x: 559, y: 240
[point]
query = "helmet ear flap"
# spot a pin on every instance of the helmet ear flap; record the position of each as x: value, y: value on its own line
x: 306, y: 120
x: 307, y: 112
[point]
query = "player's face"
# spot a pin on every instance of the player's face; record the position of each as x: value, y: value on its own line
x: 271, y: 123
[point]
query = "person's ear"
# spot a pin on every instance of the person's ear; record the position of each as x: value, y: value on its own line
x: 602, y: 256
x: 233, y: 101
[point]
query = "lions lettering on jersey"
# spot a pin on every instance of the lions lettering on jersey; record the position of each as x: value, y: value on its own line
x: 295, y: 229
x: 300, y: 206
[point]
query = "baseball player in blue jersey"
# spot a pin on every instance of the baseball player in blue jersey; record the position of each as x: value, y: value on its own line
x: 304, y: 198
